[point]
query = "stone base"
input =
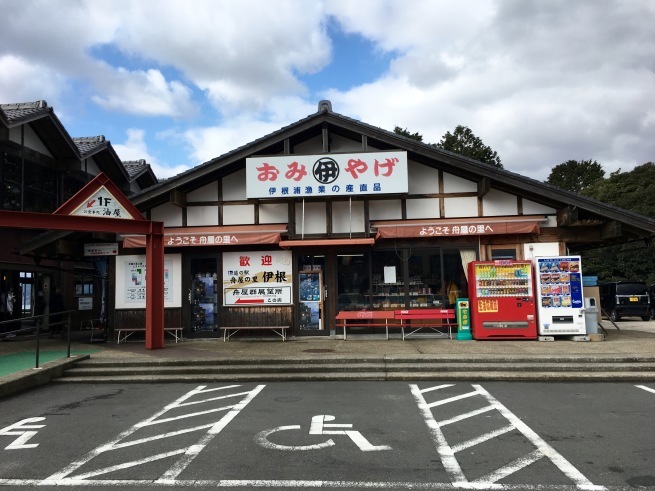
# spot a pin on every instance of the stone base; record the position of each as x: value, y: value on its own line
x: 596, y: 337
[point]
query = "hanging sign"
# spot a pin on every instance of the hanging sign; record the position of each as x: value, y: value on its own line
x: 332, y: 174
x: 108, y: 249
x: 102, y: 204
x: 257, y: 278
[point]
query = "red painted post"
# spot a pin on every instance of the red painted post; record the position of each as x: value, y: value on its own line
x: 155, y: 286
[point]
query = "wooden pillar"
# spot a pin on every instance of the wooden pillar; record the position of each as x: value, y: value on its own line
x: 155, y: 286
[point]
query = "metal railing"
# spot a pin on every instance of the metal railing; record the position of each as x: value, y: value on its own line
x: 40, y: 323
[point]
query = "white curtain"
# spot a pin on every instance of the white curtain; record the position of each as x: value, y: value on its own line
x: 467, y: 256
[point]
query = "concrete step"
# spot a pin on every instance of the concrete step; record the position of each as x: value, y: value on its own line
x: 396, y: 367
x: 91, y: 370
x: 364, y: 359
x: 642, y: 377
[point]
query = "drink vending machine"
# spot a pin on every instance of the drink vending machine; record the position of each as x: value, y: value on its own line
x: 502, y: 300
x: 560, y: 303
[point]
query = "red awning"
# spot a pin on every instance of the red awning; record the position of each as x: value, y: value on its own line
x: 326, y: 242
x: 458, y: 227
x: 214, y: 236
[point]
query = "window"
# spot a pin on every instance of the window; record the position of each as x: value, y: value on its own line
x: 506, y: 253
x: 353, y: 284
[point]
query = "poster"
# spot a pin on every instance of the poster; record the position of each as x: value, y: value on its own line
x: 131, y: 281
x: 258, y: 278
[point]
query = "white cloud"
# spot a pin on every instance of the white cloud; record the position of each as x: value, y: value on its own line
x: 240, y: 53
x: 136, y: 148
x: 539, y: 82
x: 144, y: 92
x: 22, y: 81
x: 206, y: 143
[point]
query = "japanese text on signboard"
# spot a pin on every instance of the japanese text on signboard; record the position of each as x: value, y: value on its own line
x: 257, y: 278
x: 102, y: 204
x: 336, y: 174
x: 463, y: 229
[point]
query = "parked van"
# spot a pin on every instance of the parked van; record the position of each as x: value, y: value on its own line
x: 625, y: 299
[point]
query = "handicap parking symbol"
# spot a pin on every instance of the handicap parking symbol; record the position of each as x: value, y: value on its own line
x: 319, y: 426
x: 20, y: 430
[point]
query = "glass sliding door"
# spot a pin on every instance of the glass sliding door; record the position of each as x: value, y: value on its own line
x: 311, y: 301
x: 311, y: 295
x: 203, y: 297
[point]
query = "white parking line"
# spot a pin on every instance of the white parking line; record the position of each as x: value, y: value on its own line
x: 447, y: 452
x: 187, y: 453
x: 643, y: 387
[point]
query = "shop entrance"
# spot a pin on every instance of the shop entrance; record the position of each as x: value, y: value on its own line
x: 311, y: 296
x: 203, y: 297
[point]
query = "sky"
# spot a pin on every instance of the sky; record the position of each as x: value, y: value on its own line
x: 179, y: 82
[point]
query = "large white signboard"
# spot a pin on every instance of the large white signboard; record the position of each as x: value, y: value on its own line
x: 346, y: 174
x: 131, y: 281
x: 258, y: 278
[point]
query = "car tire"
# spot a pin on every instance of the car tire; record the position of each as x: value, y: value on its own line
x: 645, y: 317
x: 614, y: 315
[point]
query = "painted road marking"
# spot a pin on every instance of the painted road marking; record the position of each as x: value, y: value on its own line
x: 448, y: 452
x: 20, y: 429
x: 318, y: 426
x: 262, y: 439
x: 70, y: 478
x: 186, y: 454
x: 643, y: 387
x: 297, y: 483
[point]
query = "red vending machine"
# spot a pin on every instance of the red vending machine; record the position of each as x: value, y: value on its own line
x: 501, y: 296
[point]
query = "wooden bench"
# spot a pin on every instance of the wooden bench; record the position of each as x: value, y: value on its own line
x: 433, y: 319
x: 228, y: 332
x: 125, y: 332
x: 366, y: 318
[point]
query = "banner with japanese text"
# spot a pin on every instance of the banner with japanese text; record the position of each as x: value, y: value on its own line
x: 346, y: 174
x: 258, y: 278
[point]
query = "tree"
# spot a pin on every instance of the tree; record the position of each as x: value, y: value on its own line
x: 405, y: 132
x: 574, y: 175
x: 634, y: 191
x: 464, y: 142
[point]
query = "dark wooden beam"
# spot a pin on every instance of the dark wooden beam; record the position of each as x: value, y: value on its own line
x: 484, y: 186
x: 326, y: 138
x: 568, y: 216
x: 611, y: 229
x: 177, y: 198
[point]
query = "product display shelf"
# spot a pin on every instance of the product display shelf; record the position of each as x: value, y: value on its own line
x: 393, y: 296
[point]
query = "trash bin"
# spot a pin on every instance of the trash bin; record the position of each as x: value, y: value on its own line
x: 591, y: 315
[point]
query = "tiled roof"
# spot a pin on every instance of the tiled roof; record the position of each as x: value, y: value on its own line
x: 22, y: 110
x: 134, y: 167
x: 87, y: 144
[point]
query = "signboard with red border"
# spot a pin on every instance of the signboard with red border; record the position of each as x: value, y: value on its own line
x: 257, y: 278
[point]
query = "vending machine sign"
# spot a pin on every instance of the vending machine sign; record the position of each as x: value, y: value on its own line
x: 560, y: 305
x: 560, y: 282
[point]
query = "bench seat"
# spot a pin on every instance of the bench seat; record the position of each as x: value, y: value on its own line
x: 366, y: 318
x: 434, y: 319
x: 125, y: 332
x: 229, y: 331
